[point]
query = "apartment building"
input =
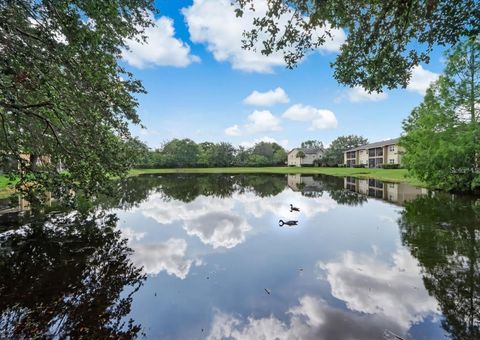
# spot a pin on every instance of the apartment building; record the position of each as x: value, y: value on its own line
x: 374, y: 155
x: 302, y: 156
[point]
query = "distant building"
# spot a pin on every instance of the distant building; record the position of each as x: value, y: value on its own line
x: 373, y: 155
x: 302, y: 156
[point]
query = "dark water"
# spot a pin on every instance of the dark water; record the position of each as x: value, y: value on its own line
x: 203, y: 256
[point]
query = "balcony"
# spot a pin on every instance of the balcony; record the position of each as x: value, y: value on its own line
x: 351, y: 155
x: 377, y: 152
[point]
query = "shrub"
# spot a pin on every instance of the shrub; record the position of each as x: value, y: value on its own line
x: 341, y: 165
x: 390, y: 166
x: 359, y: 165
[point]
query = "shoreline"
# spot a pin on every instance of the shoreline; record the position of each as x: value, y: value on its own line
x: 387, y: 175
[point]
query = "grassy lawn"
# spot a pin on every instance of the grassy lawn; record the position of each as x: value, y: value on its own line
x: 389, y: 175
x: 5, y: 187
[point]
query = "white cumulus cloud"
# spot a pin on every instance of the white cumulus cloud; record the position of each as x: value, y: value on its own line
x: 369, y: 284
x: 262, y: 121
x: 168, y: 256
x: 161, y: 47
x: 312, y: 318
x: 383, y: 301
x: 421, y: 79
x: 259, y: 121
x: 249, y: 144
x: 269, y: 98
x: 214, y: 23
x: 318, y: 118
x: 211, y: 219
x: 358, y: 94
x: 310, y: 208
x: 233, y: 130
x: 219, y: 229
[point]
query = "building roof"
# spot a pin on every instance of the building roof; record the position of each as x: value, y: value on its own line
x: 375, y: 145
x: 307, y: 151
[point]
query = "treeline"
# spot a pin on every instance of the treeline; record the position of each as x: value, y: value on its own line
x: 442, y: 134
x: 185, y: 153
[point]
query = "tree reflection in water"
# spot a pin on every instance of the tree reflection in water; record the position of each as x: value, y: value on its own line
x: 71, y: 276
x: 67, y: 276
x: 443, y: 233
x: 187, y: 187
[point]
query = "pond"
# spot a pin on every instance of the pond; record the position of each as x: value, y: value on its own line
x: 203, y: 256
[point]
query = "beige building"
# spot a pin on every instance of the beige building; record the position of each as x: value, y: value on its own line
x: 393, y: 192
x: 302, y: 156
x: 373, y: 155
x: 299, y: 182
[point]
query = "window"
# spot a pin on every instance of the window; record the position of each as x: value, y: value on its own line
x: 391, y: 161
x: 392, y: 148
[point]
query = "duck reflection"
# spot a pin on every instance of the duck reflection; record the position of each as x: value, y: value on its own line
x: 290, y: 223
x: 67, y: 276
x: 443, y: 233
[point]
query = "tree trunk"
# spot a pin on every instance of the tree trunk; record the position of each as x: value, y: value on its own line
x: 33, y: 162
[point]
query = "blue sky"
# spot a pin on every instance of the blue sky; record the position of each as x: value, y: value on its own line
x: 198, y: 80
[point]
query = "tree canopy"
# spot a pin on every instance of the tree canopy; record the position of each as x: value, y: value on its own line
x: 385, y: 39
x: 186, y: 153
x: 300, y: 154
x: 442, y: 134
x: 312, y: 144
x: 334, y: 154
x: 64, y: 96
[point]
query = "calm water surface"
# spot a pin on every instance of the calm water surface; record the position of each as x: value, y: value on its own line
x: 203, y: 256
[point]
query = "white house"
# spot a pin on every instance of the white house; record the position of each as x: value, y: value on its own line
x: 302, y: 156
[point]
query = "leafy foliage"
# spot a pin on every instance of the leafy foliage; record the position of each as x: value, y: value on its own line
x: 300, y: 154
x: 334, y: 154
x: 312, y: 144
x: 64, y: 96
x: 74, y: 279
x: 442, y: 134
x: 385, y: 40
x: 186, y: 153
x: 443, y: 234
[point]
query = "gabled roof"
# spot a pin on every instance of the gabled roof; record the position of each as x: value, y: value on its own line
x: 375, y: 145
x: 307, y: 151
